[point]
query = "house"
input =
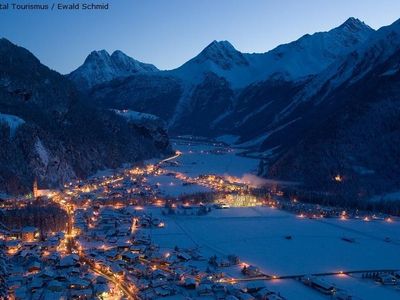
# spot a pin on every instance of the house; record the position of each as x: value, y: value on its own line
x: 204, y: 289
x: 34, y: 266
x: 245, y: 296
x: 386, y: 279
x: 251, y: 271
x: 189, y: 283
x: 102, y: 290
x: 255, y: 286
x: 319, y: 284
x: 12, y: 246
x: 82, y: 294
x: 36, y: 283
x: 116, y: 269
x: 55, y: 286
x: 68, y: 261
x: 163, y: 292
x: 183, y: 256
x: 29, y: 234
x: 275, y: 297
x: 78, y: 283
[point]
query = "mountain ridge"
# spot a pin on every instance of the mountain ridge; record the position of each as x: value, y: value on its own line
x: 100, y: 66
x: 45, y: 131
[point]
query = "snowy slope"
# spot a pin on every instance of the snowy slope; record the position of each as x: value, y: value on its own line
x: 101, y: 67
x: 135, y: 116
x: 214, y: 87
x: 306, y: 56
x: 378, y: 48
x: 13, y: 122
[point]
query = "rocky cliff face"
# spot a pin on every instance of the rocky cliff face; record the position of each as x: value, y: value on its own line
x: 49, y: 131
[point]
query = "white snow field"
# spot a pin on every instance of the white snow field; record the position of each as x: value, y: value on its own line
x: 171, y: 186
x: 197, y: 159
x: 257, y: 236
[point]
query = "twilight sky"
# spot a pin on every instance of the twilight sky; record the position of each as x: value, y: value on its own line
x: 169, y: 32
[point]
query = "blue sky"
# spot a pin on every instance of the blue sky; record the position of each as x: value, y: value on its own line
x: 169, y: 32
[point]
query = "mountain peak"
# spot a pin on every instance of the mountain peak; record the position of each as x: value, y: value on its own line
x: 97, y: 55
x: 118, y: 53
x: 220, y: 45
x: 100, y: 67
x: 354, y: 25
x: 221, y: 53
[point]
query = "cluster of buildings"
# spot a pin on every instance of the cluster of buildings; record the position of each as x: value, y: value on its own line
x: 105, y: 250
x: 316, y: 211
x: 36, y: 269
x: 114, y: 242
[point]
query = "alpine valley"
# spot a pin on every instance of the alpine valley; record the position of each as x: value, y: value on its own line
x: 322, y: 107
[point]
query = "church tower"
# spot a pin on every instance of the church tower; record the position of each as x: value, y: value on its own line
x: 35, y: 188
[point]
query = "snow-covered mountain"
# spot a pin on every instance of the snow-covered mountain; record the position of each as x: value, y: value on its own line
x: 306, y: 56
x: 323, y: 105
x: 313, y: 53
x: 212, y: 83
x: 349, y: 125
x: 101, y: 67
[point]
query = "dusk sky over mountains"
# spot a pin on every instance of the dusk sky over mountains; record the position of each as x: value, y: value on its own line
x: 168, y: 33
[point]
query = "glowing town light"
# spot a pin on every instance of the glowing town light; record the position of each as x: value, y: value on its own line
x: 159, y: 203
x: 338, y: 178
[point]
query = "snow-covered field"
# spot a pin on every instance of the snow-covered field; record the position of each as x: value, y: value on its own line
x: 171, y: 186
x: 257, y: 236
x: 197, y: 159
x: 200, y: 159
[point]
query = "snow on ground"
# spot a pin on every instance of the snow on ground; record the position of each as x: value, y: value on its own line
x: 12, y: 121
x: 135, y: 115
x: 365, y: 289
x: 257, y: 236
x: 198, y: 159
x: 294, y: 290
x: 228, y: 139
x: 4, y: 195
x: 387, y: 197
x: 42, y: 152
x: 100, y: 173
x: 171, y: 186
x: 254, y: 142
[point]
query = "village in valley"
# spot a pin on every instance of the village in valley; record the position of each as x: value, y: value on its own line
x: 169, y: 229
